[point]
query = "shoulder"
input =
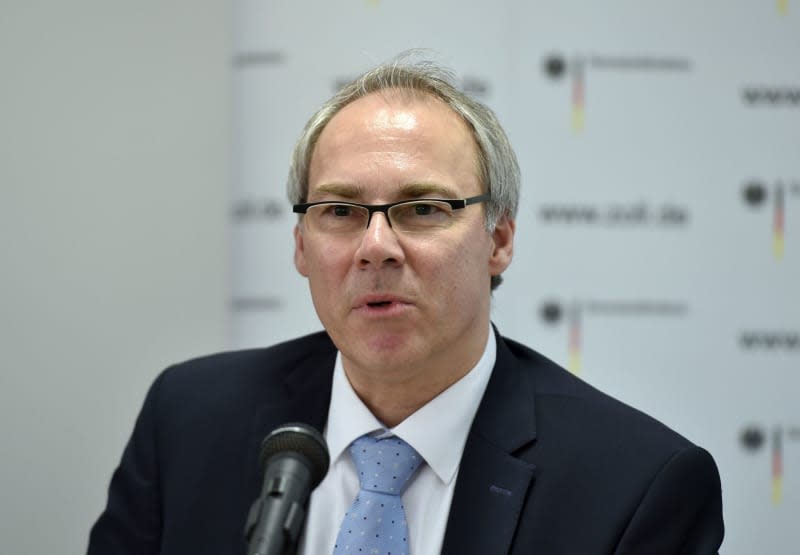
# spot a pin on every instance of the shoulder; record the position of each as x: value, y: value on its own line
x: 582, y: 419
x: 631, y: 473
x: 266, y: 362
x: 241, y: 377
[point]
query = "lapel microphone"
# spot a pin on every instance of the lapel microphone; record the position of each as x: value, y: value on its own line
x: 295, y: 459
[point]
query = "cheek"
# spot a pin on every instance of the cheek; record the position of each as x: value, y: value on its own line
x: 454, y: 269
x: 471, y: 274
x: 327, y: 262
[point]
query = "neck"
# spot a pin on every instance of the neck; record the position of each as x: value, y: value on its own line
x: 391, y: 404
x: 394, y: 394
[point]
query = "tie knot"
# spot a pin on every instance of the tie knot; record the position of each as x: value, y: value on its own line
x: 384, y: 465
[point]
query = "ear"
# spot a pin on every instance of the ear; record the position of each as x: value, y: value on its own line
x: 503, y: 251
x: 299, y: 252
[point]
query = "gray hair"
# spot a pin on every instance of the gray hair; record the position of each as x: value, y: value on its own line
x: 497, y: 163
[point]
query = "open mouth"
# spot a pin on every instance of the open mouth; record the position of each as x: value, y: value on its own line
x: 379, y: 303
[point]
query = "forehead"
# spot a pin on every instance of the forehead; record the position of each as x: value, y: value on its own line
x: 392, y: 106
x: 395, y: 136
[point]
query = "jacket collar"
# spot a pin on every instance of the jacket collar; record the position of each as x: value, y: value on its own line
x: 492, y: 483
x: 303, y: 396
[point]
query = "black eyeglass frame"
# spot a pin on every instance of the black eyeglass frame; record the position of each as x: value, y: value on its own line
x: 455, y: 204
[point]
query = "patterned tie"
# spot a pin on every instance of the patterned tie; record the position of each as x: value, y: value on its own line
x: 376, y: 523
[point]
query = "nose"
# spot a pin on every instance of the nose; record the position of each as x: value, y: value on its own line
x: 379, y: 246
x: 379, y: 210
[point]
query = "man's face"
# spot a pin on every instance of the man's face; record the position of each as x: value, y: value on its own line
x: 399, y: 304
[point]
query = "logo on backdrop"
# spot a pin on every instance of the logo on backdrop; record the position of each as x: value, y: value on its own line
x: 783, y: 6
x: 771, y: 341
x: 757, y: 193
x: 576, y: 312
x: 633, y: 214
x: 259, y: 210
x: 254, y: 303
x: 752, y: 439
x: 556, y: 65
x: 260, y: 58
x: 755, y: 96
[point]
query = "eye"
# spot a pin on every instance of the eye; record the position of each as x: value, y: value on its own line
x: 425, y: 209
x: 421, y: 215
x: 334, y: 217
x: 341, y: 210
x: 335, y: 211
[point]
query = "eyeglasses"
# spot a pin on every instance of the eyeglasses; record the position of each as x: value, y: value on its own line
x: 419, y: 215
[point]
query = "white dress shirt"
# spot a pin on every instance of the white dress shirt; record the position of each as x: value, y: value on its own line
x: 438, y: 432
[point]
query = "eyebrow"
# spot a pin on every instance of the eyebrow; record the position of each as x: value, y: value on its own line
x: 427, y: 189
x: 409, y: 190
x: 338, y: 189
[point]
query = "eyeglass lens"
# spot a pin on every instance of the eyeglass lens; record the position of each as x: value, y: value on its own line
x: 407, y: 216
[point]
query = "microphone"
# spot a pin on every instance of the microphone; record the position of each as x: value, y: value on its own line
x: 295, y: 459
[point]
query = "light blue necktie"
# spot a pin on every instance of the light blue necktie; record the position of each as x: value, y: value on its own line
x: 376, y: 523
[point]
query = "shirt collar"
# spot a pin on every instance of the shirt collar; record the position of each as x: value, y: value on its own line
x: 438, y: 430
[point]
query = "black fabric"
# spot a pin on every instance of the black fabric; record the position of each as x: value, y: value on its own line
x: 551, y: 465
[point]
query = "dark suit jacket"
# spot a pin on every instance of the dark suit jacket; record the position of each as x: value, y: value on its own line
x: 551, y: 465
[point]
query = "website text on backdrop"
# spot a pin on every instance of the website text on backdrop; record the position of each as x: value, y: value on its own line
x: 407, y: 191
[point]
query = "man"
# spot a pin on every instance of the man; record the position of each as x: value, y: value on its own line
x: 407, y: 191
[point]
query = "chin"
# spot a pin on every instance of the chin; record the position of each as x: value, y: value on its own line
x: 386, y: 342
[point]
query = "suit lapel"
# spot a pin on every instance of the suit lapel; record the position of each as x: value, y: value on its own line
x: 492, y: 483
x: 302, y: 396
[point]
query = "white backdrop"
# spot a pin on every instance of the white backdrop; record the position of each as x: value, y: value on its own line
x: 113, y: 238
x: 658, y: 250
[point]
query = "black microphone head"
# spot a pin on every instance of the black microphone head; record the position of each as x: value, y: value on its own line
x: 299, y: 438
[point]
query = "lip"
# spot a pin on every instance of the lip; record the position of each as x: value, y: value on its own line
x: 381, y: 304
